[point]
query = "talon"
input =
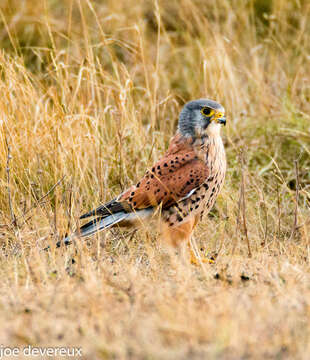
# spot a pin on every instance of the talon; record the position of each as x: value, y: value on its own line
x: 195, y: 261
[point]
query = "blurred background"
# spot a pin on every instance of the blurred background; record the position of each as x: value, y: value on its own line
x: 91, y: 90
x: 90, y: 96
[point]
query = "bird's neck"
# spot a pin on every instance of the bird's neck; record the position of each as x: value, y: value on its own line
x: 210, y: 149
x: 205, y: 146
x: 205, y: 140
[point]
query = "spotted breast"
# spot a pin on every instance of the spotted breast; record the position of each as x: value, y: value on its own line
x: 210, y: 151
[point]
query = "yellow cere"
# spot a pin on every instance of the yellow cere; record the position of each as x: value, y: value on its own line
x: 218, y: 115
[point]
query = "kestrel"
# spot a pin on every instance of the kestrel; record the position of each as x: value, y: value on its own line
x: 184, y: 183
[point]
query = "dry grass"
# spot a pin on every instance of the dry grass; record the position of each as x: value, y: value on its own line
x: 90, y: 95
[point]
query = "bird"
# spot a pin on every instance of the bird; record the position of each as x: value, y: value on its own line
x: 183, y: 184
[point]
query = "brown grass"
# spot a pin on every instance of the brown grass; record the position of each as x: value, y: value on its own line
x: 90, y: 96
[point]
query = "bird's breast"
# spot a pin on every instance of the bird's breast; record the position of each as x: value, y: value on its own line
x: 202, y: 198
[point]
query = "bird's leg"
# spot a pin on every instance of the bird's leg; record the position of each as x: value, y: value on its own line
x: 178, y: 236
x: 194, y: 251
x: 193, y: 258
x: 193, y: 245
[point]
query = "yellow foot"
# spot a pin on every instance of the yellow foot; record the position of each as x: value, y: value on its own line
x: 205, y: 258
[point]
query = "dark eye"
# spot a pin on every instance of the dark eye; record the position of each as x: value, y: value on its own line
x: 206, y: 111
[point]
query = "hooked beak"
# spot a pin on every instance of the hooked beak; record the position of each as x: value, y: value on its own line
x: 222, y: 120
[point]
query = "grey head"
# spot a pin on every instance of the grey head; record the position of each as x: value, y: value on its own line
x: 200, y: 118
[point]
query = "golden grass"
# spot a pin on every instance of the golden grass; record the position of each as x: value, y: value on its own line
x: 90, y: 96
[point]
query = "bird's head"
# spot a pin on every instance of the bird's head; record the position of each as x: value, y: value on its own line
x: 200, y: 118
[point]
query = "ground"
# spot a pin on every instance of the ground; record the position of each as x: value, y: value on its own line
x: 90, y: 96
